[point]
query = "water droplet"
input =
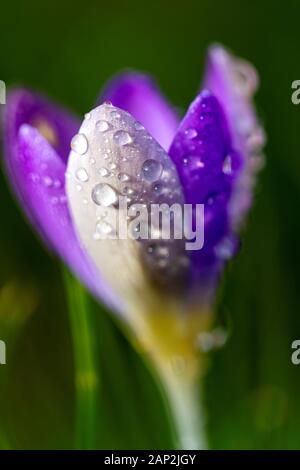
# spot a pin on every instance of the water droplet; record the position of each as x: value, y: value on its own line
x: 103, y: 228
x: 115, y: 115
x: 128, y: 191
x: 82, y: 175
x: 225, y: 249
x: 193, y: 162
x: 151, y: 170
x: 112, y: 166
x: 227, y: 165
x: 57, y: 184
x: 107, y: 103
x: 158, y: 251
x: 47, y: 181
x: 103, y: 172
x: 123, y: 177
x: 34, y: 177
x: 122, y: 138
x: 157, y: 188
x: 79, y: 144
x: 191, y: 133
x: 87, y: 116
x: 256, y: 140
x: 104, y: 195
x: 102, y: 126
x: 138, y: 126
x: 92, y: 161
x: 245, y: 77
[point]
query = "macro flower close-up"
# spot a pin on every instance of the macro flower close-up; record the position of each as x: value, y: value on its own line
x: 148, y: 288
x: 134, y: 144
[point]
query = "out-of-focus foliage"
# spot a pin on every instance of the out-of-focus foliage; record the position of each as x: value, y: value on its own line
x: 68, y: 50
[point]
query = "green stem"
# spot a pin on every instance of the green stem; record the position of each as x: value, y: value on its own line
x: 186, y: 410
x: 183, y: 401
x: 86, y: 377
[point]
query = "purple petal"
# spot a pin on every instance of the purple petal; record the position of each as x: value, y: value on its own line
x: 138, y: 95
x: 54, y: 123
x: 208, y: 167
x: 234, y: 83
x: 37, y: 173
x: 57, y: 126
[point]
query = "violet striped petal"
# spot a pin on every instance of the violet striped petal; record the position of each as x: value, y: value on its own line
x: 138, y: 95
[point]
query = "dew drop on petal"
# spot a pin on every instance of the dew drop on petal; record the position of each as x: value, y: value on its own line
x: 138, y: 126
x: 151, y: 170
x: 225, y: 249
x: 103, y: 228
x: 103, y: 171
x: 79, y: 144
x: 227, y: 165
x: 57, y: 184
x: 102, y: 126
x: 115, y: 115
x: 157, y: 188
x: 82, y: 175
x: 104, y: 195
x: 122, y: 138
x: 123, y: 177
x: 47, y: 181
x: 191, y: 133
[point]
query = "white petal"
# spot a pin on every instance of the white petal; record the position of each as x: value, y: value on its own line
x: 121, y: 158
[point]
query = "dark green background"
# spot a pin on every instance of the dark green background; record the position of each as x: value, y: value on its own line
x: 67, y: 50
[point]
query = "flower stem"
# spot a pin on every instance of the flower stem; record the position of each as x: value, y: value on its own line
x: 185, y: 409
x: 86, y: 377
x: 182, y: 396
x: 170, y: 341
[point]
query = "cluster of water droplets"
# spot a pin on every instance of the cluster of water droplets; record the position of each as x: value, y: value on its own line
x: 117, y: 157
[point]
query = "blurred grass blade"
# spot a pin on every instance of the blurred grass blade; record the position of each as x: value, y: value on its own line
x: 86, y: 371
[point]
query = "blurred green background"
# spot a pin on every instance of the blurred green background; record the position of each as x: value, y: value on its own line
x: 67, y: 50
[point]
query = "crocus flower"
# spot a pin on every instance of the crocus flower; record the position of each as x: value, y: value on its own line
x: 134, y: 144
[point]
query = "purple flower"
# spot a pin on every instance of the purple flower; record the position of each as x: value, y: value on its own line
x: 137, y: 147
